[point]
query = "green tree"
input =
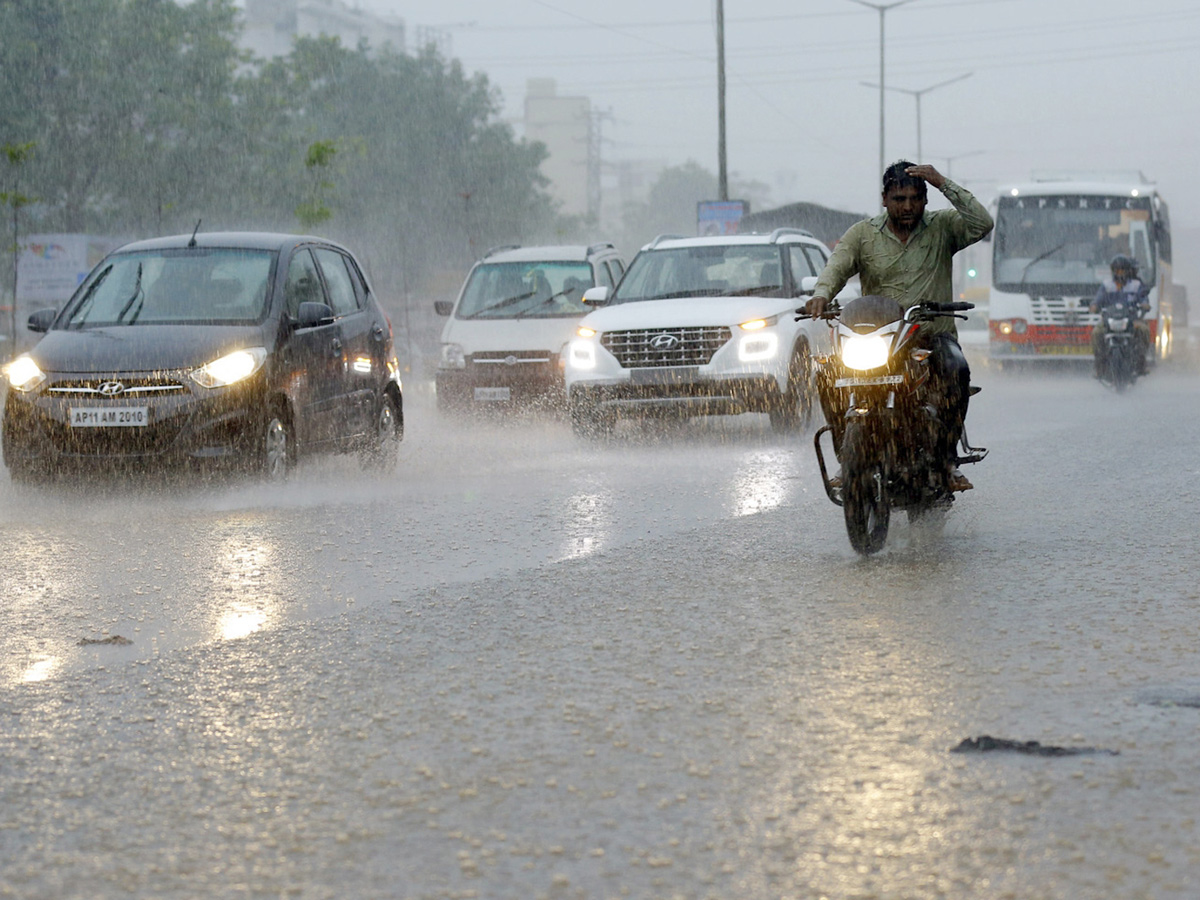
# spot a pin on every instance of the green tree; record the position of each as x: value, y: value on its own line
x: 16, y: 156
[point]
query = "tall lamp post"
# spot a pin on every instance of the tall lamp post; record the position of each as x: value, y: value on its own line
x: 917, y: 94
x: 882, y: 8
x: 722, y: 173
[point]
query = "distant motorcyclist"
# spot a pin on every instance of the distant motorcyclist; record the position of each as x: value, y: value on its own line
x: 907, y: 254
x: 1124, y: 286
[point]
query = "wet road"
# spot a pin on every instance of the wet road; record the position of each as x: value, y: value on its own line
x: 527, y: 667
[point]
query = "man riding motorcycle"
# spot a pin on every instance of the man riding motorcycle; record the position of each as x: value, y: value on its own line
x: 907, y: 253
x: 1124, y: 286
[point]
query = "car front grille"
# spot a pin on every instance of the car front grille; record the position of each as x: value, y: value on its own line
x: 653, y: 347
x: 1060, y: 311
x: 102, y: 388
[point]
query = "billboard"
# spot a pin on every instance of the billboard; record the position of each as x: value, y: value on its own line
x: 719, y: 216
x: 51, y: 266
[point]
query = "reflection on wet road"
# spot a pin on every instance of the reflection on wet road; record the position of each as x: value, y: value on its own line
x: 526, y: 666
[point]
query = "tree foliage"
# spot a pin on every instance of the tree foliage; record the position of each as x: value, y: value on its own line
x: 148, y: 117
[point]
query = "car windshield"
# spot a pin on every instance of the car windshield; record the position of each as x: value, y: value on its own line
x: 710, y: 270
x: 172, y: 287
x: 517, y: 290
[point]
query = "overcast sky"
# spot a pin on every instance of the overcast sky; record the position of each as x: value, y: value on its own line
x: 1053, y: 84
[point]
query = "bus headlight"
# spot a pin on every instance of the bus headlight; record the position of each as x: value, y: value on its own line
x: 865, y: 351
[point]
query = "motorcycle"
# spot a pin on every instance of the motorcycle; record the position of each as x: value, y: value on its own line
x: 1119, y: 367
x: 880, y: 375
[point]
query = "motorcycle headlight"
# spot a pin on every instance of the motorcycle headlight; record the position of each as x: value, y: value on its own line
x: 453, y: 357
x: 230, y: 368
x: 1118, y: 324
x: 865, y: 351
x: 23, y: 374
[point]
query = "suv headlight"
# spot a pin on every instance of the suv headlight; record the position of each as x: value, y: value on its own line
x: 230, y: 368
x: 865, y: 351
x: 581, y: 353
x: 23, y: 374
x: 453, y: 356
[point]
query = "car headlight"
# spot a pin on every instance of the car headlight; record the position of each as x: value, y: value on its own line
x: 865, y: 351
x: 582, y: 352
x: 453, y: 356
x: 757, y: 346
x: 230, y: 368
x: 23, y: 374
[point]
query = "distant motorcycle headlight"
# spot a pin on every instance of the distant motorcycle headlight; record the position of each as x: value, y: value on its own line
x: 1118, y: 324
x: 23, y: 374
x: 230, y: 368
x: 865, y: 351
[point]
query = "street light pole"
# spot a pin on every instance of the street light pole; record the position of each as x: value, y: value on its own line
x: 882, y: 8
x: 917, y: 94
x: 722, y: 172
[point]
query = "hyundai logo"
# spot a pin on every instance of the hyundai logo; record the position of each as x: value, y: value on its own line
x: 111, y: 388
x: 664, y: 342
x: 510, y: 360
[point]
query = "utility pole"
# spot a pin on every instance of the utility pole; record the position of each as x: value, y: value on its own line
x: 722, y: 168
x: 882, y: 8
x: 917, y: 94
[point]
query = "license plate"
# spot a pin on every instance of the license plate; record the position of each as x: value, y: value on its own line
x: 491, y: 394
x: 1066, y: 351
x: 665, y: 375
x: 109, y: 416
x: 864, y: 381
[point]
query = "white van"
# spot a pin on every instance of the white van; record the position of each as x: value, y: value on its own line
x: 519, y: 307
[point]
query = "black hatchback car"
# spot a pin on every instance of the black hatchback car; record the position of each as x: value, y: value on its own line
x: 225, y: 347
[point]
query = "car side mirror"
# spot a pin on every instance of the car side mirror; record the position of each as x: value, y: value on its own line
x: 596, y: 296
x: 808, y: 284
x: 40, y: 321
x: 443, y: 307
x: 312, y: 314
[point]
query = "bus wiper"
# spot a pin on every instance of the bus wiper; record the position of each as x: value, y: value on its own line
x: 137, y: 292
x: 507, y: 301
x: 1038, y: 259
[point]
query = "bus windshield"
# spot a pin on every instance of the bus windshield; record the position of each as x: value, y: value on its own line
x: 1063, y: 244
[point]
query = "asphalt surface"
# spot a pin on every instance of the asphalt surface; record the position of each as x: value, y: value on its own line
x: 525, y: 666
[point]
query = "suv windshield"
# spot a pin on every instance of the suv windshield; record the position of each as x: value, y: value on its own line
x: 517, y: 290
x: 710, y: 270
x: 185, y: 286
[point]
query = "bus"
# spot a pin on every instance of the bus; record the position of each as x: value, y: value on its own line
x: 1052, y: 245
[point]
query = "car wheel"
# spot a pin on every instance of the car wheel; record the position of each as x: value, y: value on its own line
x: 792, y: 410
x: 277, y: 447
x: 384, y: 448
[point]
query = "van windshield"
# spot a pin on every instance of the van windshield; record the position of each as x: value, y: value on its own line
x: 517, y: 290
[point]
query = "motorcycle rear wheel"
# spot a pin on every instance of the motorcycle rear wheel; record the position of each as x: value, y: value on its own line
x: 864, y: 491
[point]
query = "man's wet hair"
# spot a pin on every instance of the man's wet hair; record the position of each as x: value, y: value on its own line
x: 896, y: 176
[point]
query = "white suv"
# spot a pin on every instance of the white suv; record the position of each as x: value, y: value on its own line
x: 518, y: 308
x: 702, y: 326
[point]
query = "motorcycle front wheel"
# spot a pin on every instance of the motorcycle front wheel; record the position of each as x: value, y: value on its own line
x: 864, y: 490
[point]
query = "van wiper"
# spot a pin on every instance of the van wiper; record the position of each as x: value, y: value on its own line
x: 542, y: 303
x: 507, y: 301
x: 137, y: 292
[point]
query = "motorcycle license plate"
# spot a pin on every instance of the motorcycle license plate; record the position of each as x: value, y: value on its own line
x: 863, y: 381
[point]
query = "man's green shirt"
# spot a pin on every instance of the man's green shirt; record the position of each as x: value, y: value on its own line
x: 920, y: 270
